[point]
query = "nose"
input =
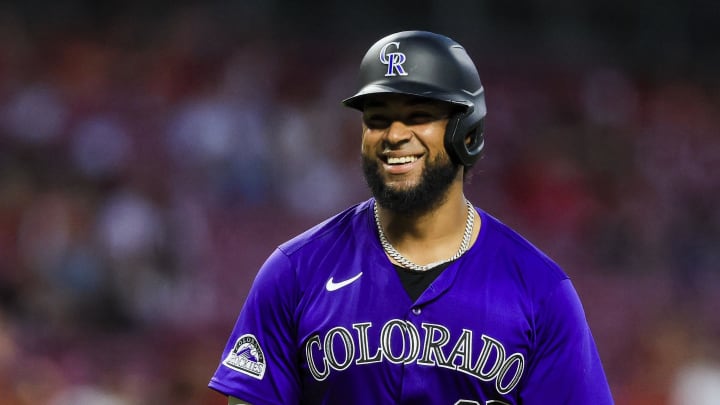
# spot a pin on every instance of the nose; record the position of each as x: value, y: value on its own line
x: 398, y: 133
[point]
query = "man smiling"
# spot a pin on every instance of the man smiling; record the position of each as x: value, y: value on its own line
x: 414, y: 296
x: 406, y: 166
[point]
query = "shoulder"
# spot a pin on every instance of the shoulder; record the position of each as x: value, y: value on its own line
x: 304, y: 260
x: 506, y: 246
x: 351, y: 222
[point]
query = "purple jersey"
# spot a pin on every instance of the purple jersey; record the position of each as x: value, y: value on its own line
x: 327, y: 321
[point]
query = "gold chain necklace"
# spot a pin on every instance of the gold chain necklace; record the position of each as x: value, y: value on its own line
x: 405, y: 262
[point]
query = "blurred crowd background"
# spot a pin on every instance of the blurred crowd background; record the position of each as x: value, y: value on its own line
x: 152, y: 154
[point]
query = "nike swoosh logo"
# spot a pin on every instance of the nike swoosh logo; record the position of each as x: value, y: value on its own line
x: 332, y: 286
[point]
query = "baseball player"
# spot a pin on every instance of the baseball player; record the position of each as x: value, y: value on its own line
x: 414, y: 296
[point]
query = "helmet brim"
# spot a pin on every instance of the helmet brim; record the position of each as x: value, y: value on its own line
x: 357, y: 101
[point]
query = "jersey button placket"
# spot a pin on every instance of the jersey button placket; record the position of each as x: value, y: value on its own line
x: 417, y: 310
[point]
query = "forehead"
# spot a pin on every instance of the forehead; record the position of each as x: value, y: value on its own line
x: 392, y: 101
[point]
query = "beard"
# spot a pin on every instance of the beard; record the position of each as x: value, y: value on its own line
x: 430, y: 192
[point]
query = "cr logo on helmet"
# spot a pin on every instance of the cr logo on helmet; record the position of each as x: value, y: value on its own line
x: 393, y: 60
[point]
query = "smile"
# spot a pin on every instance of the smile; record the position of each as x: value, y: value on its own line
x: 401, y: 165
x: 401, y: 160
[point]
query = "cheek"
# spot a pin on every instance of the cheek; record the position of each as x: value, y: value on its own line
x: 434, y: 139
x: 363, y: 145
x: 366, y: 141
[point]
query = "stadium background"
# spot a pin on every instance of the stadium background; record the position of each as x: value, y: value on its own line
x: 153, y: 153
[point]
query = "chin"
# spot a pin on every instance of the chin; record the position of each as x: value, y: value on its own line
x: 401, y: 186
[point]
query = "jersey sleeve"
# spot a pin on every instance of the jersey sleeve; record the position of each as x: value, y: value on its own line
x: 259, y: 360
x: 565, y: 367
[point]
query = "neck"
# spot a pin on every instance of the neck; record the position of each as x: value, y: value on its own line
x: 446, y: 218
x: 432, y: 236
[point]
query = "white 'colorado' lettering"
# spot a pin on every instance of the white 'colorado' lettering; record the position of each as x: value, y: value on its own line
x: 400, y: 342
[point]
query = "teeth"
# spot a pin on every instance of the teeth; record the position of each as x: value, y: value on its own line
x: 401, y: 160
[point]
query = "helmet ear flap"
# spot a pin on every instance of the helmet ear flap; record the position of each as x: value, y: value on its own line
x: 464, y: 143
x: 476, y: 143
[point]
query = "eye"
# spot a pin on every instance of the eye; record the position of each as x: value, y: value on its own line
x: 420, y: 118
x: 376, y: 121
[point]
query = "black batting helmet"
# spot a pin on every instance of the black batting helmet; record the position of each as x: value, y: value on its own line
x: 425, y: 64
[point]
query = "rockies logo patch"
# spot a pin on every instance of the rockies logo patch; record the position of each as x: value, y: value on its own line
x: 247, y: 357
